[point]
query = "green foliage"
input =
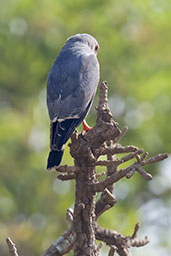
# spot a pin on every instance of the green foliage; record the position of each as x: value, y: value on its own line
x: 134, y: 37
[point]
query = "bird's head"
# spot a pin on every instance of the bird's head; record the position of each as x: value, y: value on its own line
x: 85, y: 39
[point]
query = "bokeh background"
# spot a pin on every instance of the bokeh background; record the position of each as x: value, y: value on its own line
x: 135, y: 59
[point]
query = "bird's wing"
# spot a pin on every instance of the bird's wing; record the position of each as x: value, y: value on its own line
x: 60, y: 133
x: 62, y: 130
x: 71, y: 86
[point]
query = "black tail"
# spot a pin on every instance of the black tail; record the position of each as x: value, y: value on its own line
x: 60, y: 133
x: 54, y: 159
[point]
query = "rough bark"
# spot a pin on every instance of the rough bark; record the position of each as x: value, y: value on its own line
x: 86, y: 149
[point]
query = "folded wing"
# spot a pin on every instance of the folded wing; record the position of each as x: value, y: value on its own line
x: 71, y: 88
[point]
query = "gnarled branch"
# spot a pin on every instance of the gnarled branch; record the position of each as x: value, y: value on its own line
x: 86, y: 149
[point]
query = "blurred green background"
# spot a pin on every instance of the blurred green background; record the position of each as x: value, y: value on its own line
x: 135, y: 59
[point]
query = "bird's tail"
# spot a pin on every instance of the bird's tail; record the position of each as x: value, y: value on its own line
x: 54, y: 159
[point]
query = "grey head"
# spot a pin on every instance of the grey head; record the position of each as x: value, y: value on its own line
x: 83, y: 40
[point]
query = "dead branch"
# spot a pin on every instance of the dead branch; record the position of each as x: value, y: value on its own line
x: 62, y: 245
x: 112, y: 250
x: 71, y: 176
x: 86, y: 150
x: 117, y: 149
x: 65, y: 242
x: 65, y: 168
x: 128, y: 173
x: 121, y: 243
x: 100, y: 174
x: 106, y: 201
x: 11, y: 246
x: 155, y: 159
x: 117, y: 162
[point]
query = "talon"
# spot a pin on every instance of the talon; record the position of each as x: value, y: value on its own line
x: 86, y: 127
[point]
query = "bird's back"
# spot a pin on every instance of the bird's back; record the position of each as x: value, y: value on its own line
x: 71, y: 86
x: 71, y: 82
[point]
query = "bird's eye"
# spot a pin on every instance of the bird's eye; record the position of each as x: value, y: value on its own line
x: 96, y: 48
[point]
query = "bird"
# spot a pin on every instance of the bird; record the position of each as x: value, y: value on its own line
x: 71, y: 86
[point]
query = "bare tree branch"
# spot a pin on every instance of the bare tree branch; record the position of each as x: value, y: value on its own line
x: 155, y: 159
x: 122, y: 243
x: 86, y: 150
x: 117, y: 149
x: 62, y: 245
x: 71, y: 176
x: 112, y: 250
x: 128, y: 172
x: 65, y: 168
x: 65, y: 242
x: 11, y: 246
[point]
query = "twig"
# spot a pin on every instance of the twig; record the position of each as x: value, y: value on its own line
x: 71, y: 176
x: 145, y: 174
x: 135, y: 233
x: 131, y: 155
x: 122, y: 243
x: 128, y: 172
x: 144, y: 156
x: 112, y: 250
x: 69, y: 216
x: 155, y: 159
x: 109, y: 162
x: 65, y: 242
x: 120, y: 161
x: 11, y: 246
x: 122, y: 134
x: 65, y: 168
x: 140, y: 243
x: 100, y: 245
x: 117, y: 150
x: 62, y: 245
x: 100, y: 174
x: 100, y: 186
x: 104, y: 208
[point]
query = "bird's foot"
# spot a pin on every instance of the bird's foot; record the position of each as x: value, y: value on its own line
x: 86, y: 127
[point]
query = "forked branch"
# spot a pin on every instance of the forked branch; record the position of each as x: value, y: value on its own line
x: 102, y: 140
